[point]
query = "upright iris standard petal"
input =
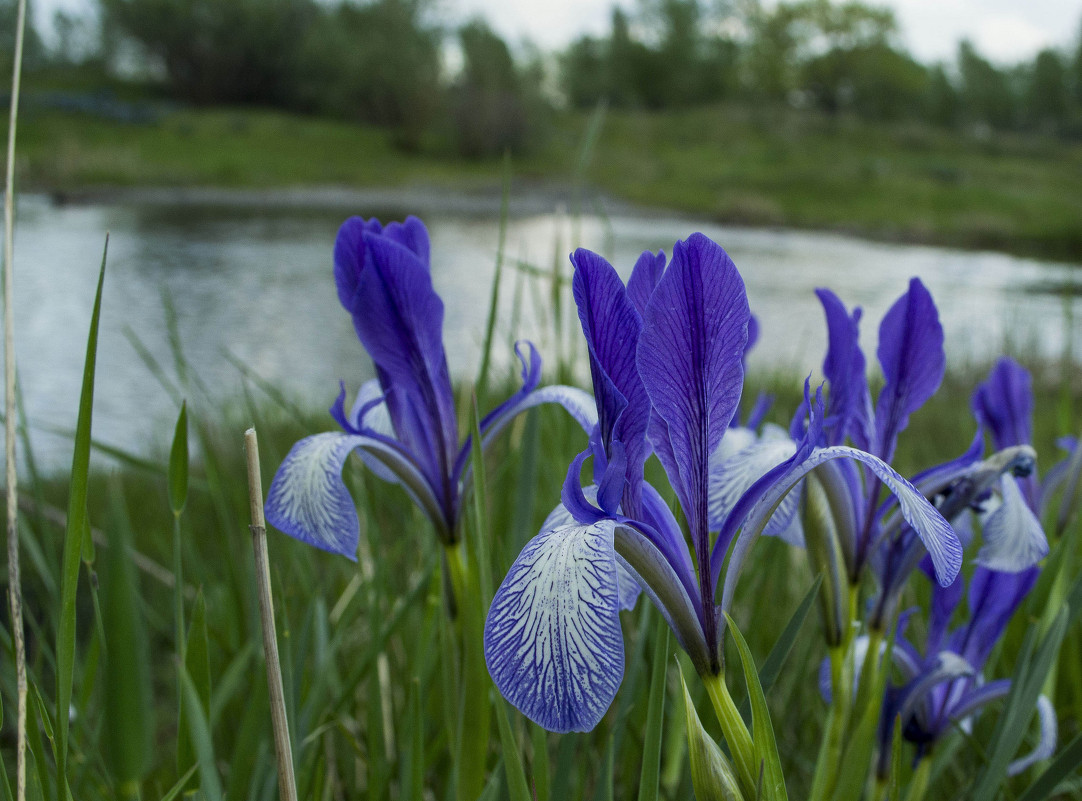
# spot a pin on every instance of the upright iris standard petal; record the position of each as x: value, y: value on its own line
x: 844, y: 368
x: 1003, y: 404
x: 308, y: 499
x: 612, y: 326
x: 690, y: 359
x: 913, y: 361
x: 552, y: 639
x: 644, y: 277
x: 399, y: 319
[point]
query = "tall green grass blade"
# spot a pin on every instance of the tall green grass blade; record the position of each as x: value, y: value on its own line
x: 127, y: 706
x: 539, y: 770
x: 76, y: 525
x: 494, y: 297
x: 766, y: 747
x: 182, y: 782
x: 492, y: 789
x: 152, y: 364
x: 512, y: 756
x: 1018, y: 709
x: 197, y: 661
x: 775, y: 660
x: 413, y: 766
x: 178, y: 463
x: 1068, y: 761
x: 199, y: 730
x: 606, y: 778
x: 649, y: 776
x: 894, y: 785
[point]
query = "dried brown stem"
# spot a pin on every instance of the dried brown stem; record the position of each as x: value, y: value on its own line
x: 287, y: 787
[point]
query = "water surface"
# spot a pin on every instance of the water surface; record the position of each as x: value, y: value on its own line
x: 253, y: 281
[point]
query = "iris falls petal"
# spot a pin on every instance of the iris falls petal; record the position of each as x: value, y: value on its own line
x: 1013, y: 537
x: 553, y: 643
x: 308, y: 499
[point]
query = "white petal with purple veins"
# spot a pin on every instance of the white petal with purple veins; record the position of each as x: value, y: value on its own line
x: 307, y: 498
x: 731, y: 478
x: 553, y: 643
x: 1013, y: 537
x: 629, y: 585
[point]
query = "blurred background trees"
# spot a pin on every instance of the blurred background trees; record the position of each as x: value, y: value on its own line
x: 464, y: 89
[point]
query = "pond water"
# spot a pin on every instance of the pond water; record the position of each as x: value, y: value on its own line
x: 251, y: 280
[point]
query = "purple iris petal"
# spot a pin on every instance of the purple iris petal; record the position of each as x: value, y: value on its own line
x: 1003, y: 404
x: 399, y: 319
x: 911, y: 355
x: 553, y: 643
x: 993, y: 598
x: 935, y: 532
x: 844, y: 368
x: 944, y: 601
x: 611, y: 326
x: 689, y: 356
x: 351, y: 257
x: 644, y: 277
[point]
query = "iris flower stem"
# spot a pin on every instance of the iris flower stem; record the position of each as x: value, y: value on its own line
x: 830, y: 752
x: 474, y: 711
x: 736, y: 733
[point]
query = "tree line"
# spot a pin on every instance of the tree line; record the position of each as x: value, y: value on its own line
x: 391, y: 63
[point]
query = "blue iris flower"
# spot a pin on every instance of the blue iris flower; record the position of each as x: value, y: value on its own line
x: 666, y: 356
x: 403, y: 423
x: 944, y: 686
x: 871, y: 531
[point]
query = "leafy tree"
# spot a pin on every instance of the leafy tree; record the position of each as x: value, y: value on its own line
x: 34, y: 55
x: 942, y: 105
x: 1047, y: 96
x: 986, y: 92
x: 491, y: 109
x: 220, y: 51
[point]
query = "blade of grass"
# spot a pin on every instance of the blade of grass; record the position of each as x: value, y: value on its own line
x: 199, y: 730
x: 14, y: 579
x: 655, y: 715
x: 197, y: 661
x: 176, y: 789
x: 127, y: 707
x: 1018, y: 709
x: 512, y: 756
x: 494, y: 298
x: 775, y: 660
x: 766, y: 747
x: 1063, y: 766
x: 73, y: 546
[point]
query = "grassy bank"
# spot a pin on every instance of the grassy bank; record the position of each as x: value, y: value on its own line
x: 361, y: 730
x: 776, y: 167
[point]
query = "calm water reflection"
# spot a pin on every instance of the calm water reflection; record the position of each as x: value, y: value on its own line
x: 256, y: 282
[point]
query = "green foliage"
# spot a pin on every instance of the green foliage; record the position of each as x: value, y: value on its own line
x: 492, y: 112
x: 219, y: 51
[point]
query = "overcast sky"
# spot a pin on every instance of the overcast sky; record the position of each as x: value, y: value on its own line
x: 1003, y: 30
